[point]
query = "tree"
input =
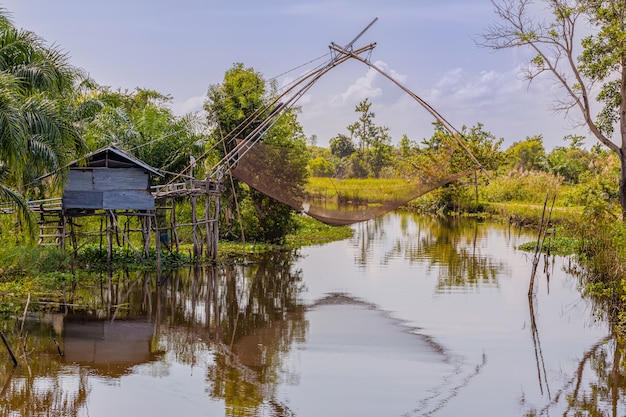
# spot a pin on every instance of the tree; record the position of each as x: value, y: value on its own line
x: 36, y: 125
x: 405, y: 145
x: 236, y: 108
x: 341, y: 146
x: 373, y: 142
x: 441, y: 156
x: 528, y: 155
x: 570, y: 161
x: 229, y: 105
x: 289, y: 163
x: 485, y: 148
x: 600, y: 66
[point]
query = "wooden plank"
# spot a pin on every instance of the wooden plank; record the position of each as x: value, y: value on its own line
x: 127, y: 200
x: 80, y: 180
x: 112, y: 179
x: 82, y: 199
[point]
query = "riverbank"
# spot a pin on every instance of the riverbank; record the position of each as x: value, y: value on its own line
x: 42, y: 272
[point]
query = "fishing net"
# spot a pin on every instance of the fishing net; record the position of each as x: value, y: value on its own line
x: 348, y: 196
x: 339, y: 199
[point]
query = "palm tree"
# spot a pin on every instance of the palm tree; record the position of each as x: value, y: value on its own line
x: 37, y: 132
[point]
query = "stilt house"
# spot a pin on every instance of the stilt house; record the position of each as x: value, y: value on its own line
x: 108, y: 179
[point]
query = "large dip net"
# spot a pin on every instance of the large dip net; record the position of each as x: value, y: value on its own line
x: 339, y: 199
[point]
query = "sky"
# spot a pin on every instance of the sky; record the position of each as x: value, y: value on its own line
x: 182, y: 47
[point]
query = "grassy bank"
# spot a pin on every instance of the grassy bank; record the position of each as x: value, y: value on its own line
x: 45, y: 272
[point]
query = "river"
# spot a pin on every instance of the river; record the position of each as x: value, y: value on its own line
x: 412, y: 316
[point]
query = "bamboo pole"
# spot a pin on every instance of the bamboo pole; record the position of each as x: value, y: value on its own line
x: 194, y: 227
x: 109, y: 232
x: 157, y: 240
x: 6, y: 343
x: 124, y: 236
x: 174, y: 224
x: 541, y: 236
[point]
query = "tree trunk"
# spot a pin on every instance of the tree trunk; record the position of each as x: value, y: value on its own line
x: 622, y: 182
x: 622, y: 131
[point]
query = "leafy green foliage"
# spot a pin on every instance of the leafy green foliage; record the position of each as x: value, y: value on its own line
x: 373, y: 150
x: 527, y: 155
x: 556, y: 245
x: 93, y: 257
x: 529, y: 187
x: 341, y: 146
x: 321, y: 167
x: 19, y: 261
x: 141, y: 123
x: 236, y: 108
x: 38, y: 133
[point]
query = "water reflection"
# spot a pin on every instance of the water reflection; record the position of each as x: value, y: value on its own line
x: 247, y: 317
x: 452, y: 246
x: 597, y: 386
x: 244, y: 340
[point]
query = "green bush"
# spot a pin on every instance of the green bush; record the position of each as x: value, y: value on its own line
x: 32, y: 260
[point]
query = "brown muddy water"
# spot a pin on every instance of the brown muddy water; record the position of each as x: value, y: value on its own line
x: 413, y: 316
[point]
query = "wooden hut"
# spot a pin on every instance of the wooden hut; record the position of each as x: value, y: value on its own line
x: 108, y: 179
x: 110, y: 182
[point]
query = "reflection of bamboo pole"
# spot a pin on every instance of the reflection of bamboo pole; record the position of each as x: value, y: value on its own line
x: 541, y: 366
x: 6, y: 343
x: 7, y: 384
x: 125, y: 297
x: 615, y: 377
x: 537, y: 249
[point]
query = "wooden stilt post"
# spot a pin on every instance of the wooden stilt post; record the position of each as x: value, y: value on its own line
x: 157, y: 240
x: 207, y: 219
x: 146, y: 237
x: 174, y: 224
x: 63, y: 230
x: 214, y: 225
x: 194, y: 227
x: 109, y: 232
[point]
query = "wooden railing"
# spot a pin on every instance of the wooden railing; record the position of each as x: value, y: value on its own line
x: 186, y: 187
x: 37, y: 206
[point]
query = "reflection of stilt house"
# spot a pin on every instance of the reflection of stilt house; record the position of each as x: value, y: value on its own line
x: 109, y: 348
x: 114, y: 185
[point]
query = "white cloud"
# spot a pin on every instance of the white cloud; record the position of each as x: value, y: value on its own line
x: 500, y: 100
x: 362, y: 88
x: 189, y: 105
